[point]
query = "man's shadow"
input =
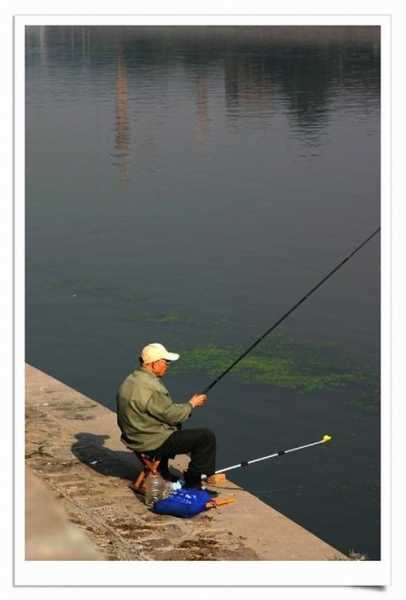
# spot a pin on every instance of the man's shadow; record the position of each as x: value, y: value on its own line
x: 89, y: 449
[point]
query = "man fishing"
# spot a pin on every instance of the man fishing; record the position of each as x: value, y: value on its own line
x: 150, y: 422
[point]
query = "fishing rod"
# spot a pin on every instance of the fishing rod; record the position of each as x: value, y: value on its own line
x: 326, y: 438
x: 286, y: 314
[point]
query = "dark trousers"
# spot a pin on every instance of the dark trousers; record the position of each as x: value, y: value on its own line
x: 199, y: 443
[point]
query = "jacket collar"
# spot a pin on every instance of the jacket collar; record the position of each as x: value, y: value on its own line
x: 155, y: 381
x: 144, y: 370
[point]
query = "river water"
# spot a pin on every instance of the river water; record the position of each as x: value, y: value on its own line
x: 188, y: 185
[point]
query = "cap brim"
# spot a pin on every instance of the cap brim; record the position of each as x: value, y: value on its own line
x: 171, y: 356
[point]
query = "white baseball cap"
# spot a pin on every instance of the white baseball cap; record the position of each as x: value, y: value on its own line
x: 155, y: 351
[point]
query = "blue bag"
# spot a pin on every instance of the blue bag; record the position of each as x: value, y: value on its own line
x: 183, y: 503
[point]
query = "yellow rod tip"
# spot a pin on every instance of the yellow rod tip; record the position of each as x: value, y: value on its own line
x: 327, y: 438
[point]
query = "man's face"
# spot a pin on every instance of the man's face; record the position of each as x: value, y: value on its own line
x: 159, y: 367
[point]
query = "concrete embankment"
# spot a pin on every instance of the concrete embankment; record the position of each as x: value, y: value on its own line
x: 79, y: 505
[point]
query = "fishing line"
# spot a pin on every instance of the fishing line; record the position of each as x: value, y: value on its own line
x: 286, y: 314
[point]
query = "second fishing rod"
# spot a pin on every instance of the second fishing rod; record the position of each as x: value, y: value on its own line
x: 290, y: 311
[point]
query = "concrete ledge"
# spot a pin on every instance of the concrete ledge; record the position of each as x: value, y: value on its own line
x: 73, y: 449
x: 49, y: 533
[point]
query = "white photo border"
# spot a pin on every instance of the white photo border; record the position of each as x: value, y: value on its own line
x: 240, y: 573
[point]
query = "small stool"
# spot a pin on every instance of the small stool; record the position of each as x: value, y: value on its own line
x: 150, y: 465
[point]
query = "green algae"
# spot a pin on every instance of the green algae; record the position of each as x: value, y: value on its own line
x: 284, y: 364
x: 171, y: 317
x: 160, y: 318
x: 368, y: 401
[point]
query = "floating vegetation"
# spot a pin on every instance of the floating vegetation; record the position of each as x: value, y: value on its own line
x: 99, y: 289
x: 168, y: 318
x: 283, y: 364
x: 368, y: 401
x: 160, y: 318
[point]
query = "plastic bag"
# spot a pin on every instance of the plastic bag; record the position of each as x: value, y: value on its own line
x: 184, y: 503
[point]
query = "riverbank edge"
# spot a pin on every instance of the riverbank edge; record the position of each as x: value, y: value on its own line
x: 79, y: 505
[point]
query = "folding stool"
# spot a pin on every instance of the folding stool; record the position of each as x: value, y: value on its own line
x: 150, y: 465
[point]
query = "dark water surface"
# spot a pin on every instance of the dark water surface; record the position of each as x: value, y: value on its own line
x: 188, y: 185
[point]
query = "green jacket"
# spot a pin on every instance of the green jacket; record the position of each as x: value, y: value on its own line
x: 146, y: 414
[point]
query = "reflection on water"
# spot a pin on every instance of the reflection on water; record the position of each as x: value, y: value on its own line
x: 264, y: 72
x: 188, y: 185
x: 202, y: 107
x: 122, y: 124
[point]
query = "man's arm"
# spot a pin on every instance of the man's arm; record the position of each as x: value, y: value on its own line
x: 163, y: 408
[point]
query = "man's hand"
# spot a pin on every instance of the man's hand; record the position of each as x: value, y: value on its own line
x: 198, y: 400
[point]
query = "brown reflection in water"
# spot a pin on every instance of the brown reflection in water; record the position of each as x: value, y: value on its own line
x: 202, y: 108
x: 122, y: 139
x: 247, y: 88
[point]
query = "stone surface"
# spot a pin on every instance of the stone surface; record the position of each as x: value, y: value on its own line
x: 49, y: 533
x: 73, y: 447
